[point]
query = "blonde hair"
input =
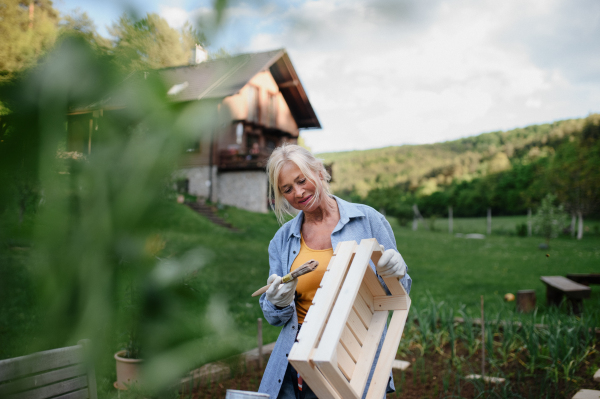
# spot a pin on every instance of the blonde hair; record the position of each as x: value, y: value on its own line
x: 311, y: 167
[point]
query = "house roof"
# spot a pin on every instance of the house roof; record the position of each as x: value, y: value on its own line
x: 224, y: 77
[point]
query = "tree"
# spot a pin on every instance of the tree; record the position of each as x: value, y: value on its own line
x: 78, y: 23
x: 28, y: 30
x: 549, y: 218
x: 151, y: 43
x: 575, y: 172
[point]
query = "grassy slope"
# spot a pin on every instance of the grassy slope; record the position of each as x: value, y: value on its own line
x: 459, y: 159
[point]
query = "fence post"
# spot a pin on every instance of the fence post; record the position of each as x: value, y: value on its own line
x: 482, y: 343
x: 260, y: 344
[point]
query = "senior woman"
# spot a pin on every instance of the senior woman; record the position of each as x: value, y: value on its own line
x: 298, y: 180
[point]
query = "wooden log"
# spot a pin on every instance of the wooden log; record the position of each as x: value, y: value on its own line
x: 525, y: 301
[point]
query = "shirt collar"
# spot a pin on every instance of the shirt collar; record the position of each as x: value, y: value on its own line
x: 347, y: 210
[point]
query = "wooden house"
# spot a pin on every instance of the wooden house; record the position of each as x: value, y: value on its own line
x: 255, y: 102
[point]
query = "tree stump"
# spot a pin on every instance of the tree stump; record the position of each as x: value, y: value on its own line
x: 525, y: 300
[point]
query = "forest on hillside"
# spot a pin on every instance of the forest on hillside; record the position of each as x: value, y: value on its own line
x: 508, y: 172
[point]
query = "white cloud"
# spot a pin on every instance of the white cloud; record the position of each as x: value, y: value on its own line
x: 176, y: 17
x: 386, y: 72
x: 389, y: 72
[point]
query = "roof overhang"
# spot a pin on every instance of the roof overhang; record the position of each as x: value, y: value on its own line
x: 293, y: 92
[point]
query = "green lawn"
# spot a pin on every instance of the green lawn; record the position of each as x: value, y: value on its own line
x: 459, y: 270
x: 443, y: 267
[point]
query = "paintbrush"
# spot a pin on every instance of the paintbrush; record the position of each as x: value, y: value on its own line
x: 308, y: 267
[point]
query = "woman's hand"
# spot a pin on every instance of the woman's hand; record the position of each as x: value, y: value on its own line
x: 280, y: 295
x: 391, y: 264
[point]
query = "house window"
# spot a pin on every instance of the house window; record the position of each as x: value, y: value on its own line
x: 272, y: 111
x: 253, y: 104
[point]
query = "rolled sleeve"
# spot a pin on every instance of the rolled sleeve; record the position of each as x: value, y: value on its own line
x: 275, y: 316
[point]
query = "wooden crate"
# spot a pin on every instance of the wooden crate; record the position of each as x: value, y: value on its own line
x: 342, y: 329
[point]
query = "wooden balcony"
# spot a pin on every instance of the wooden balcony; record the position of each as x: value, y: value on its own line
x: 234, y: 160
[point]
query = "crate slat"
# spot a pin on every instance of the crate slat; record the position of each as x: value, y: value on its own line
x: 366, y: 295
x: 357, y: 327
x: 345, y: 362
x: 316, y: 380
x: 362, y: 310
x: 387, y: 355
x: 333, y: 374
x: 368, y: 352
x: 351, y: 344
x: 390, y: 302
x: 372, y: 282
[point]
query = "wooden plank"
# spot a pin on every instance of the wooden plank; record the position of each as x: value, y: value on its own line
x: 584, y: 278
x: 55, y: 389
x: 348, y: 340
x: 394, y: 286
x: 357, y: 327
x: 377, y: 253
x: 345, y: 362
x: 362, y: 310
x: 38, y: 362
x: 81, y: 394
x: 319, y: 312
x: 373, y: 283
x: 332, y: 372
x: 387, y: 355
x: 366, y: 295
x: 569, y: 287
x: 315, y: 379
x: 39, y: 380
x: 369, y: 349
x: 390, y: 302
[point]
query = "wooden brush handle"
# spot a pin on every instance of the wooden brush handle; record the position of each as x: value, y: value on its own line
x: 308, y: 267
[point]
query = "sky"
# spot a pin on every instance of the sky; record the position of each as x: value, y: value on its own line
x: 393, y: 72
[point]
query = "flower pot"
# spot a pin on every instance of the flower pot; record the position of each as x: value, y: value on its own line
x: 127, y: 370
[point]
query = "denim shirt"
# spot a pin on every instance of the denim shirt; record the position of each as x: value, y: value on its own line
x: 357, y: 222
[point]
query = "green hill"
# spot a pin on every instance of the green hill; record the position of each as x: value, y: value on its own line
x: 426, y: 168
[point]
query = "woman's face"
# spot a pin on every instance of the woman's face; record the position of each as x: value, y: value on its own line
x: 296, y: 188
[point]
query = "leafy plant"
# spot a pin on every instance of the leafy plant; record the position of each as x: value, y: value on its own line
x: 549, y: 219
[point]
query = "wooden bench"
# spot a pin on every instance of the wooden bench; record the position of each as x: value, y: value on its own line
x: 585, y: 278
x: 557, y: 286
x: 58, y: 374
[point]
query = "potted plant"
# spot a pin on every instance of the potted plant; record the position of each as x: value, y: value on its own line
x: 128, y: 359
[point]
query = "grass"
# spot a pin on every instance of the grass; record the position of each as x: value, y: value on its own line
x: 453, y: 271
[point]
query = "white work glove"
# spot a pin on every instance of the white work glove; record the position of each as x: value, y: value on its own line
x: 391, y: 264
x: 280, y: 295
